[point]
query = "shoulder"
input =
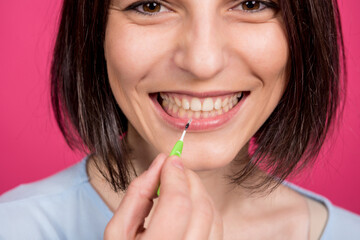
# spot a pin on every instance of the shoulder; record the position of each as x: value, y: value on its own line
x: 53, y: 208
x: 340, y: 223
x: 56, y: 184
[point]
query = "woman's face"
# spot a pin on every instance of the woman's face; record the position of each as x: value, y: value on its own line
x: 220, y: 62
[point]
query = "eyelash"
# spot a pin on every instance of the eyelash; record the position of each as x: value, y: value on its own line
x: 134, y: 6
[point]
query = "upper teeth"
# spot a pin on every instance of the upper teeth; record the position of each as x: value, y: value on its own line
x: 196, y: 104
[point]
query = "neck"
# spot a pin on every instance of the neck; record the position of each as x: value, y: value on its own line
x: 216, y: 182
x: 239, y: 208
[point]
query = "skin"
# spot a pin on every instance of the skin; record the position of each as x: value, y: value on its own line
x: 198, y: 46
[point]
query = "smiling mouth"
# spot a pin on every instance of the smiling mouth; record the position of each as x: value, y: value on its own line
x: 184, y: 106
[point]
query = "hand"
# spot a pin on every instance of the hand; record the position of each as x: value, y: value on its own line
x: 184, y: 209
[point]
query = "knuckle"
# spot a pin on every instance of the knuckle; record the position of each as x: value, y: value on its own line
x: 111, y: 231
x: 176, y: 176
x: 204, y: 204
x: 134, y: 186
x: 139, y: 189
x: 218, y: 222
x: 180, y: 202
x: 205, y: 208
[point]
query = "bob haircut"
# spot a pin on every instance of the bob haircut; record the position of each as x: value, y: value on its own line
x: 91, y: 120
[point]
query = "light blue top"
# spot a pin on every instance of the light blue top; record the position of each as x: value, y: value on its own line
x: 66, y: 206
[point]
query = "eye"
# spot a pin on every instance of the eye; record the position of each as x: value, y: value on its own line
x: 250, y: 5
x: 148, y: 7
x: 255, y: 6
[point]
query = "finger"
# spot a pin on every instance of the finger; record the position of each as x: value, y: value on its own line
x: 173, y: 211
x: 203, y: 210
x: 136, y: 203
x: 217, y: 229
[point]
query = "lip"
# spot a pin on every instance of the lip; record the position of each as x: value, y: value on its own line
x: 205, y: 94
x: 198, y: 125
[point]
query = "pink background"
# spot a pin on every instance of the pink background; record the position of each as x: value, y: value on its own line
x: 32, y: 147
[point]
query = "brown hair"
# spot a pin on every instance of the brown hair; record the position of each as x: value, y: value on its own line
x: 91, y: 121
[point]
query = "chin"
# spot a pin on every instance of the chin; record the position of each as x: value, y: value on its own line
x: 206, y: 160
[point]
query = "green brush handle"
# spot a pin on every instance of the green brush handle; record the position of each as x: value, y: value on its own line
x: 177, y: 150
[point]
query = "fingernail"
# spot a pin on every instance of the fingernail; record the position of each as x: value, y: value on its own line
x: 152, y: 164
x: 177, y: 163
x: 157, y: 161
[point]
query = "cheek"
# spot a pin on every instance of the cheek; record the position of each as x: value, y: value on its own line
x: 132, y: 54
x: 263, y: 48
x: 132, y: 51
x: 126, y: 60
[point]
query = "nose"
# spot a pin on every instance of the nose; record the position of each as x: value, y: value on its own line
x: 201, y: 47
